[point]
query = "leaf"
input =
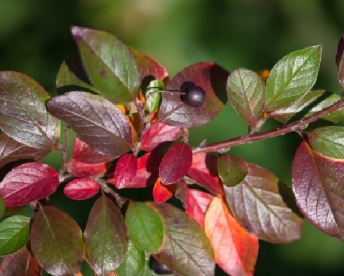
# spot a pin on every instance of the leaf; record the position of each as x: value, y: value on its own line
x: 81, y: 189
x: 28, y: 182
x: 144, y: 226
x: 158, y: 134
x: 105, y: 237
x: 309, y: 104
x: 265, y: 207
x: 175, y: 163
x: 133, y: 262
x: 162, y: 193
x: 109, y: 63
x: 232, y: 170
x: 292, y: 77
x: 56, y: 241
x: 20, y: 263
x: 96, y: 121
x: 212, y: 78
x: 125, y: 170
x: 2, y: 207
x: 318, y: 189
x: 339, y: 61
x: 14, y: 233
x: 185, y: 249
x: 236, y: 251
x: 204, y: 172
x: 79, y: 169
x: 246, y: 91
x: 23, y: 115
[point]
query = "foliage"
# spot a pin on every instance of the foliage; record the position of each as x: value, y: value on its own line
x: 206, y: 207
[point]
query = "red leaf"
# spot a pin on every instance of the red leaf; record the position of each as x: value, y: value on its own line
x: 28, y: 182
x: 204, y: 171
x: 235, y: 250
x: 81, y: 188
x: 159, y: 133
x: 175, y: 163
x: 125, y: 171
x: 162, y: 193
x: 80, y: 169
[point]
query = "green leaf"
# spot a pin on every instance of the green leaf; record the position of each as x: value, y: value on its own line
x: 246, y: 91
x: 153, y: 98
x: 105, y: 237
x: 144, y: 226
x: 14, y: 233
x: 23, y: 115
x: 292, y: 77
x: 328, y: 141
x: 232, y: 170
x: 133, y: 262
x: 2, y: 207
x: 186, y: 249
x: 56, y: 242
x: 109, y: 63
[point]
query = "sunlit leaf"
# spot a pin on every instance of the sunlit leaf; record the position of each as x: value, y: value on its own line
x: 292, y: 77
x: 232, y: 170
x: 81, y: 188
x: 235, y: 250
x: 162, y: 193
x: 14, y: 233
x: 80, y: 169
x: 56, y: 241
x: 23, y: 115
x: 28, y: 182
x: 96, y: 121
x: 153, y: 98
x: 105, y: 237
x: 125, y: 170
x: 246, y: 91
x: 318, y: 189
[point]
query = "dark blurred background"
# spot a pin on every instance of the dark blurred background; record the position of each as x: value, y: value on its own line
x: 35, y: 38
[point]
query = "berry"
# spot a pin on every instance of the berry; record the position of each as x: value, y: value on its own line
x: 194, y: 95
x: 159, y: 268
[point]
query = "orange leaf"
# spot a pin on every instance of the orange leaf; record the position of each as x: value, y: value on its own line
x: 162, y: 193
x: 235, y: 249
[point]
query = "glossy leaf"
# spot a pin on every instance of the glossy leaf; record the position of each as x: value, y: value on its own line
x: 246, y: 91
x: 81, y: 188
x: 2, y: 207
x: 292, y: 77
x: 185, y: 249
x: 105, y: 237
x: 96, y: 121
x: 309, y: 104
x: 79, y: 169
x: 204, y: 172
x: 15, y: 233
x: 133, y: 262
x: 56, y: 241
x: 159, y: 134
x: 318, y: 189
x: 20, y: 263
x: 212, y: 78
x: 144, y: 226
x: 235, y: 250
x: 28, y: 182
x: 339, y: 60
x: 125, y: 170
x: 175, y: 163
x: 109, y: 64
x: 232, y: 170
x: 265, y: 207
x: 23, y: 115
x: 162, y: 193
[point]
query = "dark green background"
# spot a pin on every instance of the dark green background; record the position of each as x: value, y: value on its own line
x: 34, y: 39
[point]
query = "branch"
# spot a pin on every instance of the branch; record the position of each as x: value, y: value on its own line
x: 298, y: 125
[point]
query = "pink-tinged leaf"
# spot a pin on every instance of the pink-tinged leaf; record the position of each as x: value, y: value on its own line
x: 340, y: 59
x: 175, y: 163
x: 81, y: 189
x: 185, y: 249
x: 97, y: 122
x: 212, y: 78
x: 105, y: 236
x: 318, y: 189
x: 79, y: 169
x: 11, y: 150
x: 162, y: 193
x: 28, y: 182
x: 235, y: 250
x: 265, y: 207
x: 125, y: 171
x: 204, y: 172
x: 23, y: 115
x: 20, y: 263
x: 56, y: 242
x: 158, y: 134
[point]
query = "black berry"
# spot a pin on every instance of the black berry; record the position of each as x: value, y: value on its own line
x: 159, y: 268
x: 194, y: 95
